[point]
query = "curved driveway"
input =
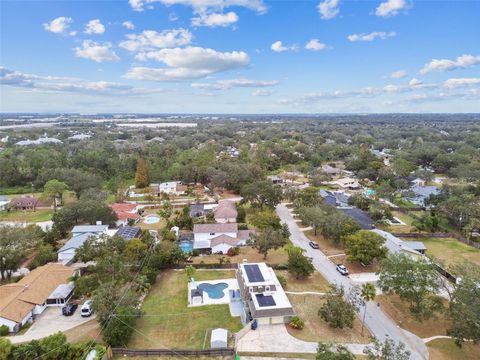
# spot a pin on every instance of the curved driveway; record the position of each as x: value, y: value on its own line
x: 377, y: 322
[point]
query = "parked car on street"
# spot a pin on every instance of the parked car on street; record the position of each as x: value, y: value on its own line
x: 69, y: 309
x: 86, y: 309
x: 342, y: 269
x: 313, y: 245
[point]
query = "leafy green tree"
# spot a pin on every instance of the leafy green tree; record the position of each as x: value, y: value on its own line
x: 337, y: 311
x: 54, y: 346
x: 403, y: 167
x: 142, y: 177
x: 314, y: 216
x: 30, y: 350
x: 189, y: 271
x: 15, y: 243
x: 386, y: 350
x: 268, y: 239
x: 45, y: 253
x: 261, y: 193
x: 134, y: 251
x: 166, y: 210
x: 365, y: 246
x: 464, y: 307
x: 427, y: 222
x: 298, y: 264
x: 5, y: 348
x: 54, y: 190
x: 119, y: 328
x: 241, y: 214
x: 308, y: 197
x: 327, y: 351
x: 368, y: 293
x: 267, y: 218
x: 415, y: 281
x: 335, y: 226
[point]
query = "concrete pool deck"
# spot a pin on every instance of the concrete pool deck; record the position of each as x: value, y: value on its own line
x: 207, y: 300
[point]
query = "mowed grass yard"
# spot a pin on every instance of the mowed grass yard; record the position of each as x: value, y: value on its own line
x: 278, y: 256
x: 445, y: 349
x: 27, y: 216
x: 450, y: 251
x: 169, y: 323
x: 399, y: 311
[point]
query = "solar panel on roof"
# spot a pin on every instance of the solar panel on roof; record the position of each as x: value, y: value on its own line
x: 128, y: 232
x: 265, y: 300
x: 253, y: 273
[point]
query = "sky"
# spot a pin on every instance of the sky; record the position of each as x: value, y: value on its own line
x: 239, y: 56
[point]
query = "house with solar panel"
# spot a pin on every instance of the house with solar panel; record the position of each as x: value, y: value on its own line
x: 129, y: 232
x: 263, y: 295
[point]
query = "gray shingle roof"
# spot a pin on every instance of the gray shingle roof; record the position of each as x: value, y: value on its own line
x: 361, y: 217
x: 89, y: 228
x: 76, y: 241
x: 214, y: 228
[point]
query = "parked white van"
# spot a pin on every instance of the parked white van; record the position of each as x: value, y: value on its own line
x: 86, y: 309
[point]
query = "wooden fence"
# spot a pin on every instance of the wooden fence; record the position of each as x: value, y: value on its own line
x: 168, y: 352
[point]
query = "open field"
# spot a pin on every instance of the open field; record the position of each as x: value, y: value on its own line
x: 278, y: 256
x: 169, y: 323
x: 327, y: 247
x: 450, y: 251
x: 316, y: 282
x: 27, y: 216
x: 445, y: 349
x: 316, y: 329
x: 399, y: 312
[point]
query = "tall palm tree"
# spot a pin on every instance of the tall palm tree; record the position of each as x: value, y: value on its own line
x: 368, y: 293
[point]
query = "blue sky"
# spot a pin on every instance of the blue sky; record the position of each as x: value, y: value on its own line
x: 240, y: 56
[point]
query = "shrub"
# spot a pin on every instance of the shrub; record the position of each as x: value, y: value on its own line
x: 297, y: 323
x: 4, y: 330
x: 195, y: 252
x: 233, y: 251
x: 282, y: 280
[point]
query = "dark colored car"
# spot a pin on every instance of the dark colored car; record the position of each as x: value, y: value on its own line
x: 69, y: 309
x: 313, y: 245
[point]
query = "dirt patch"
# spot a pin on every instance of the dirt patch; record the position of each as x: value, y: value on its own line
x: 326, y: 246
x: 87, y: 331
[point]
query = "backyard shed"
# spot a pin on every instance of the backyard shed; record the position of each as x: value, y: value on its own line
x: 219, y: 339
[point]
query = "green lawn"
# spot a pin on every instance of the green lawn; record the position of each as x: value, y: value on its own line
x: 450, y: 251
x: 169, y: 323
x: 445, y: 349
x: 26, y: 216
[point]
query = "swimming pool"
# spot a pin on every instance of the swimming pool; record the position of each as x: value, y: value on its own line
x: 186, y: 246
x: 214, y: 291
x: 151, y: 219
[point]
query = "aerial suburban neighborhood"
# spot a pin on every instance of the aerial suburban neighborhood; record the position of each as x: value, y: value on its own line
x: 239, y: 180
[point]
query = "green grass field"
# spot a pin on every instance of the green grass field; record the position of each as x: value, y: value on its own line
x: 26, y: 216
x: 169, y: 323
x: 450, y: 251
x: 445, y: 349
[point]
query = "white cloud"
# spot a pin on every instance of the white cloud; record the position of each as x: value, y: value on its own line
x: 232, y: 83
x: 173, y: 17
x: 399, y: 74
x: 128, y: 25
x: 204, y: 5
x: 150, y: 40
x: 278, y: 46
x: 372, y: 36
x: 58, y: 25
x: 459, y: 82
x: 94, y: 27
x: 328, y: 9
x: 187, y: 63
x: 315, y: 45
x: 96, y: 51
x: 70, y: 85
x: 390, y: 8
x: 215, y: 19
x: 261, y: 92
x: 441, y: 65
x: 415, y: 82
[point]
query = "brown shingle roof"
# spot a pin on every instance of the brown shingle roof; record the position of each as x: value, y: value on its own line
x: 214, y: 228
x: 225, y: 209
x: 224, y: 239
x: 16, y: 300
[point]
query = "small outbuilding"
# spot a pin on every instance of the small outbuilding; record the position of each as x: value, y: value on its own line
x: 219, y: 339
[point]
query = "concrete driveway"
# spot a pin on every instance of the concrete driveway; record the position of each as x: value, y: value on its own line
x: 377, y: 322
x: 50, y: 322
x: 276, y: 339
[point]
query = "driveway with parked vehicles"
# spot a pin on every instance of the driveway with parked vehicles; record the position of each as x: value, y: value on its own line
x: 50, y: 322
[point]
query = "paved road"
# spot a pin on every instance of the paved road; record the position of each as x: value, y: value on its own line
x: 379, y: 324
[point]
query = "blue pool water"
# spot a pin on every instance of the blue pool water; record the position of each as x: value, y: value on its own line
x: 186, y: 246
x: 214, y: 291
x: 151, y: 219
